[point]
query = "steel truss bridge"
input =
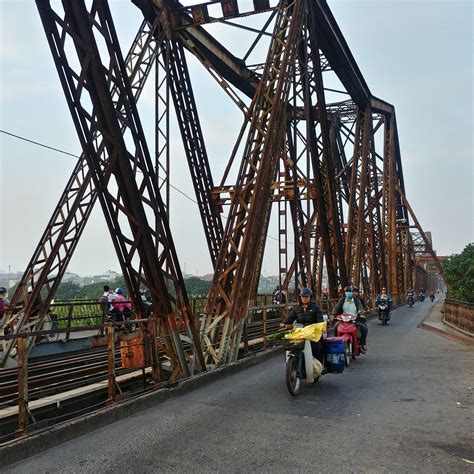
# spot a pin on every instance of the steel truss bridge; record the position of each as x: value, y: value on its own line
x: 325, y: 159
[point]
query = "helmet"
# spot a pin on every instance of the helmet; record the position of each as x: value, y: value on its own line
x: 354, y: 288
x: 119, y: 291
x: 306, y: 292
x: 3, y: 289
x: 348, y: 288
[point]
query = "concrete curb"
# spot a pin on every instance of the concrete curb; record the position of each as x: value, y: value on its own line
x: 23, y: 448
x: 449, y: 333
x: 465, y: 333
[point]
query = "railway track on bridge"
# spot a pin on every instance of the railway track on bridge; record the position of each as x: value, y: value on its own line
x: 64, y: 386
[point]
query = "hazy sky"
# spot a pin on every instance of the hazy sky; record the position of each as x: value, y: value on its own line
x: 416, y: 55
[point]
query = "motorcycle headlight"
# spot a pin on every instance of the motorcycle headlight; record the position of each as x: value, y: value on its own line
x: 346, y: 319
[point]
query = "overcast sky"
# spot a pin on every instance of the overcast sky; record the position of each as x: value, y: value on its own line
x: 416, y: 55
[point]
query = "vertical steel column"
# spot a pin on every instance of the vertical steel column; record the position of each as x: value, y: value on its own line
x: 329, y: 218
x: 355, y: 246
x: 22, y: 387
x: 162, y: 122
x: 110, y: 333
x: 195, y: 147
x: 282, y: 240
x: 389, y: 204
x: 375, y: 262
x: 240, y: 256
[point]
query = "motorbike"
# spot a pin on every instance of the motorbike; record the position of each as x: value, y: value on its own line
x: 347, y: 330
x: 410, y: 300
x: 421, y: 297
x: 384, y: 313
x: 301, y: 365
x: 432, y: 297
x: 298, y: 365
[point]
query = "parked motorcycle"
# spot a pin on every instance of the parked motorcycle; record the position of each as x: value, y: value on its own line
x: 347, y: 330
x: 384, y: 313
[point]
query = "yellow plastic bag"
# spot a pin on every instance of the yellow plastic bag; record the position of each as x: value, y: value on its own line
x: 312, y: 332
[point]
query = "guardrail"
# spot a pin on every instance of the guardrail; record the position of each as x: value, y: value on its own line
x: 459, y: 314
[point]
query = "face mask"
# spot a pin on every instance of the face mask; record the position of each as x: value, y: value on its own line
x: 348, y: 294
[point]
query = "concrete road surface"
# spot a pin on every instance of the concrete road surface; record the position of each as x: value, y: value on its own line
x: 406, y: 406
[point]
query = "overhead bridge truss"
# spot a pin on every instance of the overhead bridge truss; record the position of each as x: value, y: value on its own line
x: 325, y: 158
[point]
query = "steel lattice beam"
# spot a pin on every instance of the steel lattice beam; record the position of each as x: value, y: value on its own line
x: 247, y: 222
x: 348, y: 211
x: 133, y: 194
x: 56, y: 247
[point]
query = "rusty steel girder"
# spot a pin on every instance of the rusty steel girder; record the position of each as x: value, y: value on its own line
x: 345, y: 209
x: 247, y: 222
x: 56, y: 247
x: 146, y: 252
x: 195, y: 148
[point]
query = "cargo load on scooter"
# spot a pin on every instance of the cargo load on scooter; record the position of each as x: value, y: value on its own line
x: 312, y: 332
x: 334, y: 348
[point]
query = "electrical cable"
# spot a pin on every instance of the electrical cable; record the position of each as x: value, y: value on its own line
x: 76, y: 156
x: 39, y: 144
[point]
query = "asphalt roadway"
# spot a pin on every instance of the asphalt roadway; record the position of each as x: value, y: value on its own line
x: 406, y: 406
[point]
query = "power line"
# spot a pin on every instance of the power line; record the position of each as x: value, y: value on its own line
x: 76, y: 156
x: 38, y: 143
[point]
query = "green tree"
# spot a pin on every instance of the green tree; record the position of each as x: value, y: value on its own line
x: 459, y: 273
x: 196, y: 286
x: 67, y: 291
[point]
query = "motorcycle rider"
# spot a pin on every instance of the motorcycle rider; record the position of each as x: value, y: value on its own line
x: 421, y: 294
x: 279, y: 295
x: 306, y: 313
x: 384, y: 298
x: 351, y: 305
x: 410, y: 293
x: 361, y: 320
x: 356, y: 294
x: 4, y: 302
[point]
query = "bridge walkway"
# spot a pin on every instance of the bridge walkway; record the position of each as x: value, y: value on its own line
x: 406, y: 406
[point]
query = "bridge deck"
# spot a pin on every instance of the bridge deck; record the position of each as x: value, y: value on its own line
x: 402, y: 407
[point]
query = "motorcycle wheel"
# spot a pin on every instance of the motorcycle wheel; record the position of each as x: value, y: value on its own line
x: 347, y: 353
x: 293, y: 382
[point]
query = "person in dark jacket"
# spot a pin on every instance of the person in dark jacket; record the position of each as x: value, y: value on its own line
x: 356, y: 294
x: 4, y: 302
x: 352, y: 305
x: 361, y: 320
x: 308, y: 312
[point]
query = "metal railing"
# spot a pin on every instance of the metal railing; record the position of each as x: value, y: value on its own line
x: 119, y: 359
x: 460, y: 314
x: 126, y: 358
